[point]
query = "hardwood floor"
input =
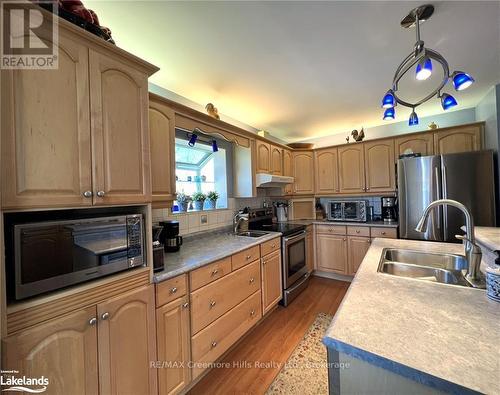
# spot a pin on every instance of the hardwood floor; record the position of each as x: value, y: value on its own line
x: 272, y: 342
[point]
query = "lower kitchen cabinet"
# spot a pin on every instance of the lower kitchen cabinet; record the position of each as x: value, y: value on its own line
x: 331, y: 253
x: 271, y: 281
x: 105, y: 348
x: 64, y: 350
x: 174, y: 346
x: 358, y: 246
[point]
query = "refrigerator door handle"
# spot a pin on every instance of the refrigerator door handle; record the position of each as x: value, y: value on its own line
x: 445, y: 207
x: 437, y: 210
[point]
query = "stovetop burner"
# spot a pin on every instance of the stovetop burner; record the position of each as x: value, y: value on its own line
x: 285, y: 229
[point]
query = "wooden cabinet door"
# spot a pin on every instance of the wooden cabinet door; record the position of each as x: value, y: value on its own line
x: 276, y: 160
x: 380, y: 171
x: 174, y: 346
x: 127, y: 343
x: 310, y: 249
x: 351, y: 168
x: 45, y: 132
x: 271, y: 281
x: 358, y: 246
x: 288, y: 170
x: 326, y: 168
x: 462, y: 139
x: 331, y: 253
x: 162, y: 143
x: 63, y: 349
x: 421, y: 143
x: 303, y: 172
x: 263, y: 157
x: 120, y: 137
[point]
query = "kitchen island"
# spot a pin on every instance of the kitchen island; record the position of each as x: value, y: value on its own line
x: 398, y: 333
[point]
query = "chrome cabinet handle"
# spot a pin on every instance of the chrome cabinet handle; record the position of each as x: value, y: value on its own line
x: 212, y: 303
x: 105, y: 316
x: 185, y: 305
x: 87, y: 194
x: 173, y: 290
x: 93, y: 321
x: 214, y: 344
x: 101, y: 193
x: 214, y: 272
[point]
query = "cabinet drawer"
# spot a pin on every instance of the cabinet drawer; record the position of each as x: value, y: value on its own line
x: 217, y: 298
x: 389, y: 233
x: 244, y: 257
x: 206, y: 274
x: 331, y: 229
x: 270, y: 246
x: 358, y: 231
x: 171, y: 289
x: 209, y: 344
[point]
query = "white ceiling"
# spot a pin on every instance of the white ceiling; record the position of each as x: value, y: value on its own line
x: 302, y: 69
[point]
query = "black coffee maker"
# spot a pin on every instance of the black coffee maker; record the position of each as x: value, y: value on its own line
x: 169, y: 236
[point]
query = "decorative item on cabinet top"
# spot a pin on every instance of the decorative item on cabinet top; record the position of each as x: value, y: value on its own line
x: 212, y: 111
x: 357, y: 136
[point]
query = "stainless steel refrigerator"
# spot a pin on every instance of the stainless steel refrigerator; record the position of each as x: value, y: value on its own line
x: 465, y: 177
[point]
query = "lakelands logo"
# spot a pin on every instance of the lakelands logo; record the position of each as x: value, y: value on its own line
x: 33, y: 385
x: 29, y: 37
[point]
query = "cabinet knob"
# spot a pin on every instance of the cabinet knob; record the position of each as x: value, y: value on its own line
x: 368, y: 241
x: 101, y: 193
x: 185, y: 305
x: 105, y: 316
x: 383, y: 233
x: 357, y: 231
x: 215, y: 271
x: 252, y: 280
x: 252, y: 313
x: 212, y: 303
x: 173, y: 290
x: 248, y: 257
x: 344, y: 239
x: 273, y: 246
x: 214, y: 344
x: 93, y: 321
x: 87, y: 194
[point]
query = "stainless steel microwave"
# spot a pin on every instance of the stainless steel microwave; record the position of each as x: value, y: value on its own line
x: 346, y: 210
x: 50, y: 255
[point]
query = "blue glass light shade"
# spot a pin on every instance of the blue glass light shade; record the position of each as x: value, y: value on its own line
x: 413, y: 120
x: 424, y: 69
x: 388, y: 101
x: 447, y: 101
x: 192, y: 140
x: 214, y: 146
x: 461, y: 80
x: 389, y: 114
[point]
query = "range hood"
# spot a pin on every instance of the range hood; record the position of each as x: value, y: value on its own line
x: 264, y: 180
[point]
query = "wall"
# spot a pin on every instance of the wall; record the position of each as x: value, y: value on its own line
x: 458, y: 117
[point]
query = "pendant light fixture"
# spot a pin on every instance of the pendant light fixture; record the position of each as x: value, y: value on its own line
x: 421, y: 59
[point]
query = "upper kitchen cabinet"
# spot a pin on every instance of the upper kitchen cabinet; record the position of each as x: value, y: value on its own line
x: 326, y: 169
x: 120, y: 138
x: 288, y: 170
x: 263, y: 157
x: 379, y: 166
x: 303, y: 172
x: 460, y: 139
x: 351, y: 168
x: 276, y: 160
x: 76, y: 136
x: 421, y: 143
x: 162, y: 143
x: 45, y: 132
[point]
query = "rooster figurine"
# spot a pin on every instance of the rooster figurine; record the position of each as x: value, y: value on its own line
x: 358, y: 136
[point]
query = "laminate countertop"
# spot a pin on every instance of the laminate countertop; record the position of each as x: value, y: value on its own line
x: 203, y: 248
x: 443, y: 336
x: 326, y: 222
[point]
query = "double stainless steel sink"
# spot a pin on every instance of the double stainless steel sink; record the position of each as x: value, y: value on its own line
x: 441, y: 268
x: 252, y: 233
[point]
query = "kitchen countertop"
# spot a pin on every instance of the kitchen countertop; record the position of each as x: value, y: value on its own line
x: 204, y: 248
x: 489, y: 237
x: 326, y: 222
x: 441, y: 335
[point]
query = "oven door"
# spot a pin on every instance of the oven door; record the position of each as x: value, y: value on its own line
x: 294, y: 258
x: 354, y: 211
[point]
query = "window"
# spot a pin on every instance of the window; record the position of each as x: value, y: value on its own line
x: 199, y: 169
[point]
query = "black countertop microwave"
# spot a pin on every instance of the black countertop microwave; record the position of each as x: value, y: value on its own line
x: 50, y: 255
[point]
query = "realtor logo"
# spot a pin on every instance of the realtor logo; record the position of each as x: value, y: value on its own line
x: 29, y: 37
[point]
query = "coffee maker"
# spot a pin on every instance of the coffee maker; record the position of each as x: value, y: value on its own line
x: 158, y: 262
x: 389, y: 209
x: 169, y: 236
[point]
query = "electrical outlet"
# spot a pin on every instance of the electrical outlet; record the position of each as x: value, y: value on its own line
x: 204, y: 219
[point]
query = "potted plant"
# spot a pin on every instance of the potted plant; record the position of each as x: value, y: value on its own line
x: 212, y: 197
x: 199, y: 200
x: 183, y: 201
